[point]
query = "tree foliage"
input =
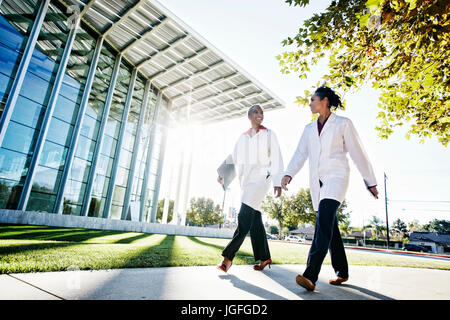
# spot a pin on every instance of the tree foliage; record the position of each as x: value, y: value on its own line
x: 291, y: 211
x: 274, y: 207
x: 400, y: 229
x: 203, y: 211
x: 377, y: 225
x: 160, y: 210
x: 438, y: 226
x: 400, y: 47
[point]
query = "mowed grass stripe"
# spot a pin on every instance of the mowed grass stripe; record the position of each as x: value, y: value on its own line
x: 38, y: 249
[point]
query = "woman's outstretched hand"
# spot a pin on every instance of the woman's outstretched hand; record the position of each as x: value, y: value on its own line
x: 285, y: 181
x: 373, y: 190
x: 220, y: 180
x: 277, y: 191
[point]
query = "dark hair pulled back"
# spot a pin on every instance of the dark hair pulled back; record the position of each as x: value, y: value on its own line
x: 333, y: 98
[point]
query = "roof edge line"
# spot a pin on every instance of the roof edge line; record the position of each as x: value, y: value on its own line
x: 178, y: 20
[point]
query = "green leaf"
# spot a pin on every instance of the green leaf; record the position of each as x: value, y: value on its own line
x: 373, y: 4
x: 364, y: 20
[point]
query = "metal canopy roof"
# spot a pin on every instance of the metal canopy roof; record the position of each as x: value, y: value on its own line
x: 184, y: 66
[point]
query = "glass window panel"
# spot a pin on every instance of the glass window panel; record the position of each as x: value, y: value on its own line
x: 51, y: 42
x: 151, y: 181
x: 109, y: 146
x: 74, y: 192
x: 116, y: 212
x: 122, y: 176
x: 53, y: 155
x: 9, y: 193
x: 41, y: 202
x: 80, y: 169
x: 154, y: 166
x: 128, y: 141
x: 28, y: 112
x: 134, y: 185
x: 13, y: 165
x: 95, y: 207
x: 72, y: 209
x: 46, y: 180
x: 139, y: 187
x: 41, y: 66
x: 65, y: 109
x: 60, y: 132
x: 80, y: 58
x: 20, y: 138
x: 112, y: 127
x: 95, y: 107
x: 90, y: 127
x: 141, y: 169
x: 149, y: 197
x: 101, y: 83
x: 5, y: 85
x: 104, y: 165
x: 105, y: 188
x: 100, y: 185
x: 10, y: 36
x: 116, y: 111
x: 9, y: 60
x: 118, y: 195
x: 125, y: 159
x: 70, y: 89
x: 36, y: 88
x: 85, y: 148
x: 131, y: 126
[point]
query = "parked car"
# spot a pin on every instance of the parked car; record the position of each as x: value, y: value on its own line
x: 413, y: 247
x: 270, y: 236
x: 294, y: 239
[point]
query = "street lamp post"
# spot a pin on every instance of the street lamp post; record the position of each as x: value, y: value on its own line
x: 386, y: 208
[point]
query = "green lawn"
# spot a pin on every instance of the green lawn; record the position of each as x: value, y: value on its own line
x: 36, y: 248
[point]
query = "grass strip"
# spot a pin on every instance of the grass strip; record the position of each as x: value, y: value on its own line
x: 40, y: 249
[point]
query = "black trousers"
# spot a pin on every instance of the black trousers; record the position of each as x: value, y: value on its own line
x: 249, y: 220
x: 326, y: 237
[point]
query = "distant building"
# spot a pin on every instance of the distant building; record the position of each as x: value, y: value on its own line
x: 87, y: 101
x: 306, y: 232
x: 436, y: 242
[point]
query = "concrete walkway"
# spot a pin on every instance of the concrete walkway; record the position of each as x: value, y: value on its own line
x: 241, y: 283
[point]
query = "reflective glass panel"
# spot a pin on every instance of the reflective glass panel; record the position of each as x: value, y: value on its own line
x: 53, y: 155
x: 41, y: 202
x: 9, y: 193
x: 12, y: 165
x: 20, y: 138
x: 45, y: 180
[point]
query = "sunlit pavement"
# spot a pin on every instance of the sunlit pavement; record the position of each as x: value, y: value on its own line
x: 240, y: 283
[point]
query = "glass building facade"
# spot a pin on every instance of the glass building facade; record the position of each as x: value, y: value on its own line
x: 82, y: 130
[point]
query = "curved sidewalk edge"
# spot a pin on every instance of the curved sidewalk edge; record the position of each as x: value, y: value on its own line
x: 241, y: 283
x: 380, y: 250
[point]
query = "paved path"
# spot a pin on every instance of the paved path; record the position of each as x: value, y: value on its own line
x: 241, y: 283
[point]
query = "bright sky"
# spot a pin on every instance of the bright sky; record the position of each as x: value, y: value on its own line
x: 250, y: 33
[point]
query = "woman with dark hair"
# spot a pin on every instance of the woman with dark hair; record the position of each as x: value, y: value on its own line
x: 325, y: 142
x: 257, y: 158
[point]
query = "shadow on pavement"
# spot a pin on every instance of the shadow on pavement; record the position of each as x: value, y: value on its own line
x: 250, y: 288
x: 324, y: 291
x: 368, y: 292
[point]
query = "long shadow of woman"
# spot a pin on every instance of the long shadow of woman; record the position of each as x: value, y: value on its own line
x: 250, y: 288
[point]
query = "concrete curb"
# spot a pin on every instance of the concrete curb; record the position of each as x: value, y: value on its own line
x: 68, y: 221
x: 379, y: 250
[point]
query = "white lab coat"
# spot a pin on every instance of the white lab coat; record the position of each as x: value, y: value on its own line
x: 259, y: 164
x: 328, y: 161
